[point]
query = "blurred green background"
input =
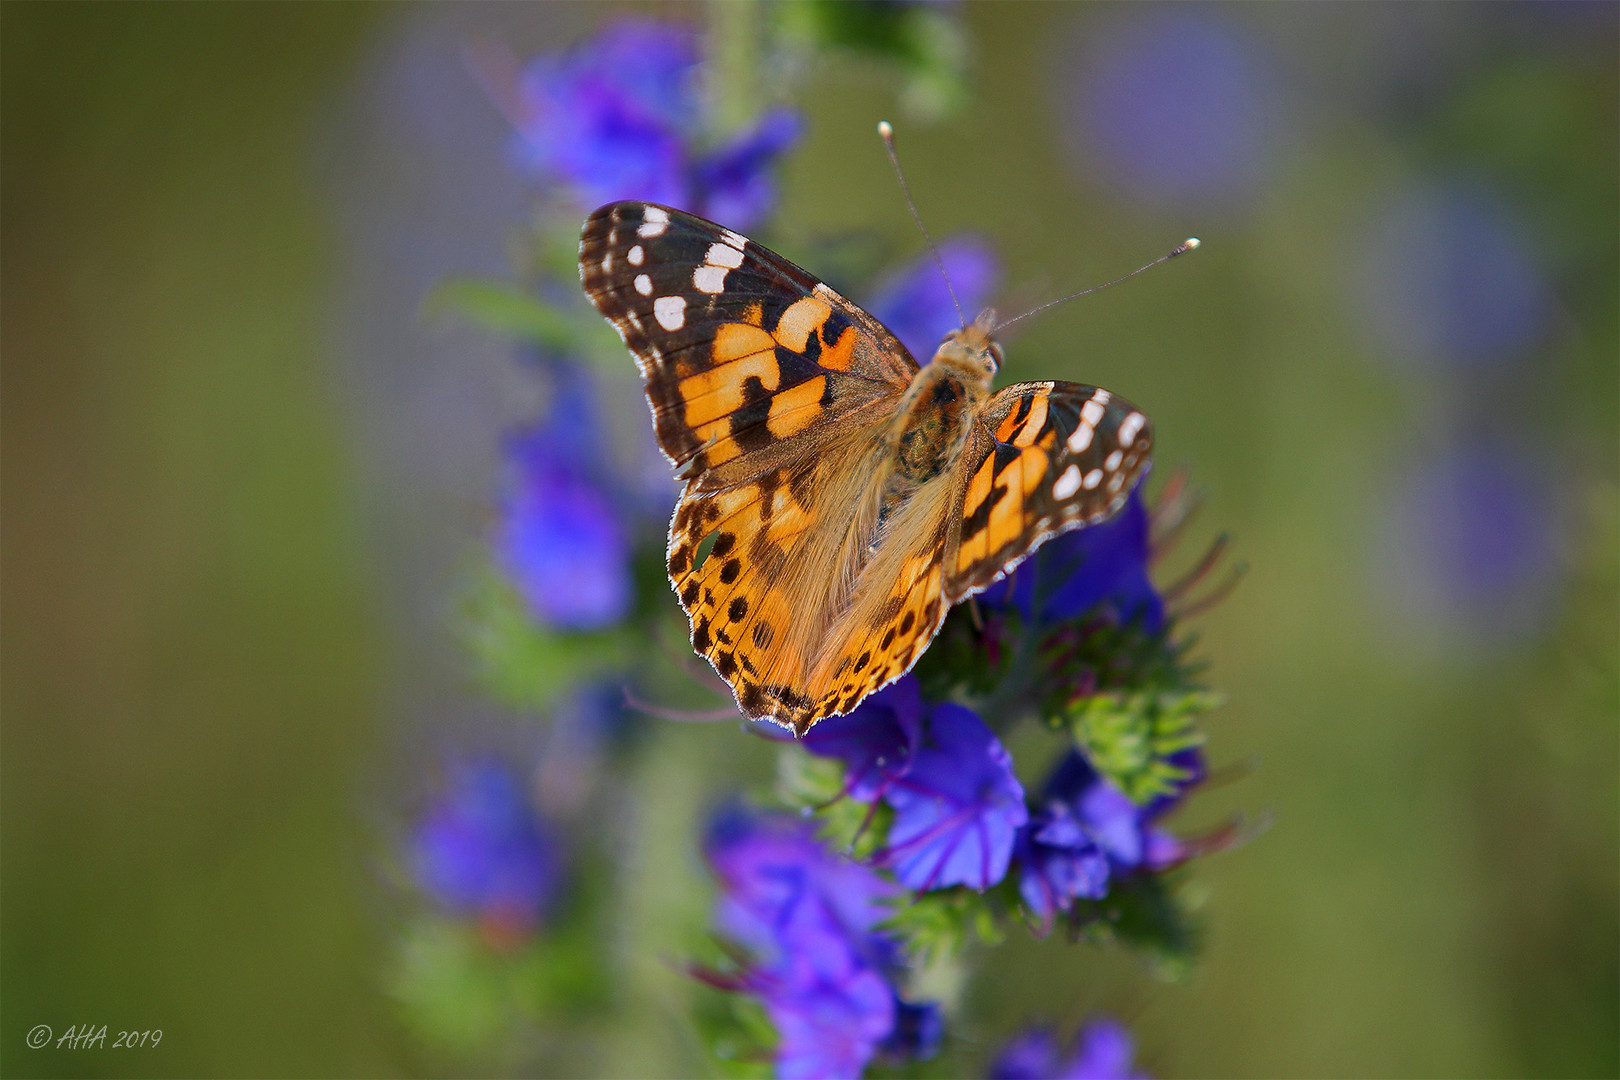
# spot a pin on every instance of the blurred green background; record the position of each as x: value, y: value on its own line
x: 237, y: 467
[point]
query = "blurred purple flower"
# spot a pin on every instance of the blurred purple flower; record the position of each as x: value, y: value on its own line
x: 1090, y: 831
x: 1058, y: 863
x: 1173, y: 106
x: 1104, y: 1052
x: 876, y: 741
x: 1072, y: 574
x: 770, y: 866
x: 914, y: 303
x: 821, y: 968
x: 736, y: 183
x: 620, y: 116
x: 1473, y: 541
x: 956, y: 809
x: 1120, y: 829
x: 1449, y: 274
x: 559, y: 537
x: 830, y: 1027
x: 481, y: 850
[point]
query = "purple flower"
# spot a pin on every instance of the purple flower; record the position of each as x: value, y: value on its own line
x: 1120, y: 829
x: 620, y: 117
x: 1449, y: 274
x: 1058, y: 863
x: 481, y: 851
x: 831, y: 1024
x: 1104, y: 1053
x: 914, y: 303
x: 771, y: 866
x: 1473, y: 542
x: 1174, y: 107
x: 876, y: 742
x: 1089, y: 832
x: 736, y: 184
x: 821, y: 968
x: 1101, y: 564
x: 956, y: 809
x: 559, y: 537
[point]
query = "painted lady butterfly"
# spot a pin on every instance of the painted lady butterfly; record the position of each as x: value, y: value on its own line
x: 839, y: 498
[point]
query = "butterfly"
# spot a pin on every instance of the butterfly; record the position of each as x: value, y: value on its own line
x: 838, y: 497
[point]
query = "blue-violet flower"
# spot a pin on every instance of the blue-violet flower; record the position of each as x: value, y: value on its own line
x: 482, y: 851
x: 622, y: 117
x: 560, y: 538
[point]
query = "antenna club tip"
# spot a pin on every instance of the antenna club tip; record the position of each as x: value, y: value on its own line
x: 885, y: 129
x: 1190, y: 244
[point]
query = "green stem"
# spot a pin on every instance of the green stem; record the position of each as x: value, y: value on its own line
x: 736, y: 40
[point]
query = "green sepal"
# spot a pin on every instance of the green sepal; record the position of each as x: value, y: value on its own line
x: 940, y: 923
x: 1129, y: 736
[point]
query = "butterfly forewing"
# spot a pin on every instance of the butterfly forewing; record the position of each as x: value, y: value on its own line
x: 741, y: 350
x: 1048, y: 457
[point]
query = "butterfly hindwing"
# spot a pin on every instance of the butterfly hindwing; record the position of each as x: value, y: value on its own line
x: 1047, y: 457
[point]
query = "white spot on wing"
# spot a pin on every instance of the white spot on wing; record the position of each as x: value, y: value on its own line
x: 607, y: 260
x: 636, y: 255
x: 670, y: 311
x: 710, y: 279
x: 1092, y: 411
x: 653, y: 222
x: 1093, y: 478
x: 1129, y: 427
x: 643, y: 284
x: 1068, y: 483
x: 1080, y: 439
x: 1113, y: 460
x: 724, y: 255
x: 736, y: 240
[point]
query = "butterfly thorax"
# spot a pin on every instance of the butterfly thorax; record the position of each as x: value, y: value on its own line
x: 932, y: 422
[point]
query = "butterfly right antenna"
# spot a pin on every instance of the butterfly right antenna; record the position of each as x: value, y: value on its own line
x: 1189, y: 244
x: 886, y: 132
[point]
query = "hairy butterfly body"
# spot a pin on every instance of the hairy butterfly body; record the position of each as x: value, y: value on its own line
x: 848, y: 496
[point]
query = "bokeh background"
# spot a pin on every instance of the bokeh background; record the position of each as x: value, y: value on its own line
x: 242, y: 469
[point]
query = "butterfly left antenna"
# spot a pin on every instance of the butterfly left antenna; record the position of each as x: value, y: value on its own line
x: 886, y: 132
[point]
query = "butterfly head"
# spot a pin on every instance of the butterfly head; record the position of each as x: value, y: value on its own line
x: 972, y: 352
